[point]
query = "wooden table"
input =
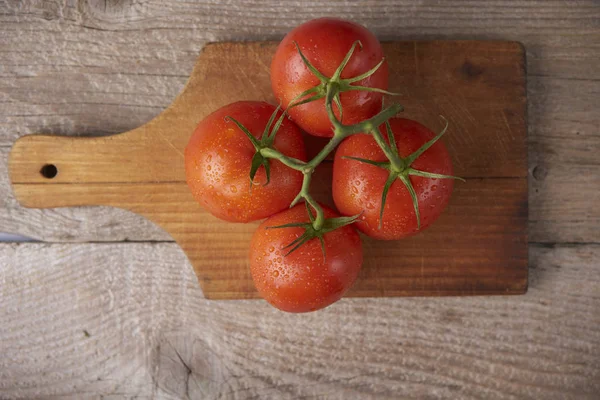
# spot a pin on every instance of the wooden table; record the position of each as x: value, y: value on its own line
x: 109, y: 306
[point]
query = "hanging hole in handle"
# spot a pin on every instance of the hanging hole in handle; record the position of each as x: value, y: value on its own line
x: 49, y: 171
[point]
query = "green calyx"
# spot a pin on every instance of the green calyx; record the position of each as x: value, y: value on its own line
x: 400, y: 168
x: 335, y: 84
x: 265, y: 142
x: 310, y: 232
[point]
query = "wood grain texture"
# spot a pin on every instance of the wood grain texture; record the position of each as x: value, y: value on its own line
x: 133, y: 323
x: 478, y: 247
x: 101, y: 67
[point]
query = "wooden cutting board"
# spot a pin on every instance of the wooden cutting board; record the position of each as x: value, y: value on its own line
x: 478, y: 246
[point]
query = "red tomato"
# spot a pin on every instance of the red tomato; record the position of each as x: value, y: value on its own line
x: 357, y: 186
x: 218, y: 160
x: 302, y: 281
x: 325, y: 42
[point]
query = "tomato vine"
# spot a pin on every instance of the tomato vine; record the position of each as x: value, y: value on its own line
x: 330, y: 89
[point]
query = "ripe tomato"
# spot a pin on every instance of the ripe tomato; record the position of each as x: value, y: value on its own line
x: 325, y: 42
x: 302, y: 281
x: 357, y: 186
x: 218, y: 159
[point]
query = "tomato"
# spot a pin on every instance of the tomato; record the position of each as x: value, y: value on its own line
x: 218, y: 159
x: 357, y: 186
x: 302, y: 280
x: 325, y: 42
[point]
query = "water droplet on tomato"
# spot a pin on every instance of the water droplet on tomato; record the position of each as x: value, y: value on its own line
x: 370, y: 206
x: 233, y: 188
x: 210, y: 186
x: 357, y: 182
x: 271, y: 249
x: 354, y: 189
x: 434, y: 187
x: 208, y: 167
x: 275, y: 273
x: 208, y: 158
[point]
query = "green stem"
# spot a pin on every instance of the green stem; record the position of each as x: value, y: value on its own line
x: 333, y: 88
x: 325, y: 151
x: 291, y: 162
x: 368, y: 125
x: 320, y: 218
x: 303, y: 191
x: 305, y: 194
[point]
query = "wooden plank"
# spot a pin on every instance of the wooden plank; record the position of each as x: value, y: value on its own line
x: 565, y: 196
x: 151, y: 334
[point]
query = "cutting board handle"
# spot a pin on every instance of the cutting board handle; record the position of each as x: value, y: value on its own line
x: 40, y: 164
x: 47, y: 159
x: 60, y: 163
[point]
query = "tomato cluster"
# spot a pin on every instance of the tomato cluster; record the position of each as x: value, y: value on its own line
x: 392, y: 177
